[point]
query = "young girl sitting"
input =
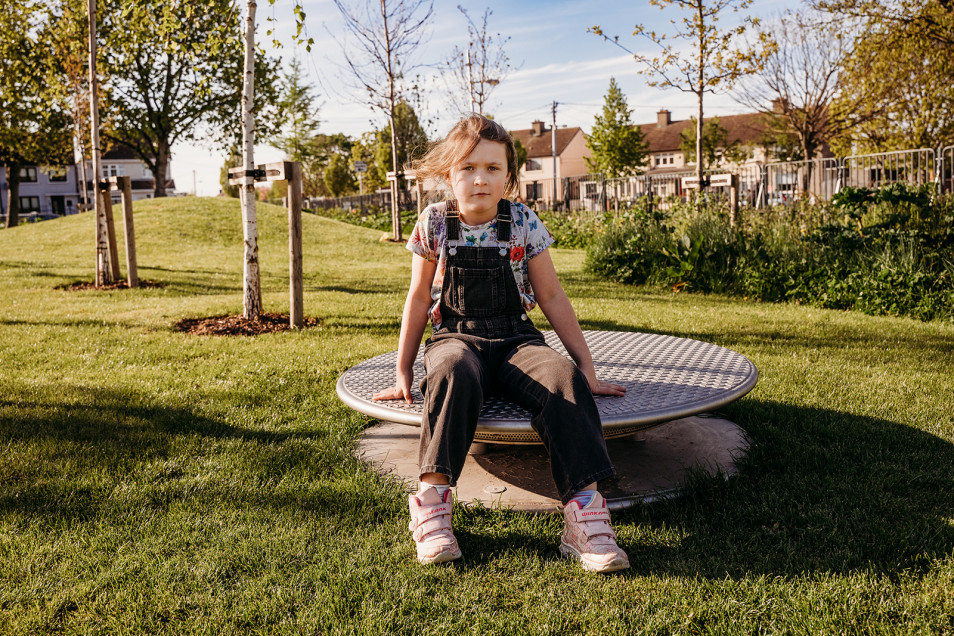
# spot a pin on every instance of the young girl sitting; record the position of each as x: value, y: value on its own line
x: 480, y: 265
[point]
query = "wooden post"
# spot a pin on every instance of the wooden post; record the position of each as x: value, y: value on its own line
x: 296, y: 297
x: 734, y: 201
x: 110, y: 230
x: 132, y: 271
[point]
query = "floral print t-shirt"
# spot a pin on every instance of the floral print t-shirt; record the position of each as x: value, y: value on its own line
x: 528, y: 238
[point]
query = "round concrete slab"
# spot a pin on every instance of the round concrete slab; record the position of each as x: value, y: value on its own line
x: 518, y: 477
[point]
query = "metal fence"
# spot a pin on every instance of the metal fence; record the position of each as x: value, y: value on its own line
x: 407, y: 200
x: 758, y: 185
x: 945, y: 171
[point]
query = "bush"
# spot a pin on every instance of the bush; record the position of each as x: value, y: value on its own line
x: 889, y: 251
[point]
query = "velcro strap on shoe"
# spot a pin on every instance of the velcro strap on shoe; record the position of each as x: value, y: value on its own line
x: 430, y: 526
x: 584, y: 515
x: 429, y: 512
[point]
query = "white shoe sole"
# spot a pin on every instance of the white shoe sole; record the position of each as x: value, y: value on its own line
x: 613, y: 566
x: 443, y: 557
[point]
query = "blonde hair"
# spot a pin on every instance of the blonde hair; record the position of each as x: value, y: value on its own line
x: 459, y: 143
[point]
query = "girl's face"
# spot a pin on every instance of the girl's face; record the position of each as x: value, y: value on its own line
x: 479, y: 181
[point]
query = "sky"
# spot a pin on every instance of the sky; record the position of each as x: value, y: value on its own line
x: 555, y: 59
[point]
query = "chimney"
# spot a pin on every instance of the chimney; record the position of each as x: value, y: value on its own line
x: 538, y: 128
x: 663, y: 118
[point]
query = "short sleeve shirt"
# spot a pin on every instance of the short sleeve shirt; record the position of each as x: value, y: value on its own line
x: 528, y: 238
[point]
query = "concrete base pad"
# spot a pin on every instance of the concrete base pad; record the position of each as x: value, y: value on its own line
x: 652, y: 466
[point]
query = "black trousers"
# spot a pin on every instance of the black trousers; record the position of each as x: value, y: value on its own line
x: 463, y: 368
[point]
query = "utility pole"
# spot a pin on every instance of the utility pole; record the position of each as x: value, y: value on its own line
x: 553, y: 144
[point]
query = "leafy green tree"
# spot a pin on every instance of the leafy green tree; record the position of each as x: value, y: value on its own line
x: 410, y: 141
x: 320, y: 150
x: 299, y: 116
x: 700, y: 56
x: 176, y: 75
x: 338, y: 176
x: 35, y: 123
x: 363, y: 150
x: 234, y: 159
x: 521, y: 152
x: 618, y: 147
x: 906, y: 82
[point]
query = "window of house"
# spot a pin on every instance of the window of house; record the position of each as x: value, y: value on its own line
x: 28, y: 174
x: 112, y: 170
x: 666, y: 159
x: 534, y: 164
x: 29, y: 204
x: 533, y: 191
x: 57, y: 173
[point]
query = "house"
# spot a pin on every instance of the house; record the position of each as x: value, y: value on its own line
x: 50, y: 191
x: 120, y: 161
x: 536, y: 175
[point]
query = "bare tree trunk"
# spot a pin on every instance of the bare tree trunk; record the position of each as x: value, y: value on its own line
x: 162, y: 167
x: 252, y: 298
x: 395, y: 209
x: 103, y: 274
x: 13, y: 200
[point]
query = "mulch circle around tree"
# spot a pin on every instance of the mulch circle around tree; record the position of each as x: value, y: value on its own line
x: 119, y: 284
x: 238, y: 325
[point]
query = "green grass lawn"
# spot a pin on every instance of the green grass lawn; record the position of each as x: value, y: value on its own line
x: 157, y: 482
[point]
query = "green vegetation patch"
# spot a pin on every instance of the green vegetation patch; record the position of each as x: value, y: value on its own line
x: 155, y: 481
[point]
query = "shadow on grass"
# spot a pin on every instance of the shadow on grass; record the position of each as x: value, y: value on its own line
x: 819, y: 491
x: 67, y: 455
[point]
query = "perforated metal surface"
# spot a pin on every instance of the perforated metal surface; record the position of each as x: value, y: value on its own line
x: 666, y: 378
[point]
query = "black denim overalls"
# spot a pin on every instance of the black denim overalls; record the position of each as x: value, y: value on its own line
x: 486, y: 344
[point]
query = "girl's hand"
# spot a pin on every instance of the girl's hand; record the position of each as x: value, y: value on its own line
x: 400, y: 390
x: 599, y: 387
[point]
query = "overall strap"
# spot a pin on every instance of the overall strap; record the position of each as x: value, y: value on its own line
x: 503, y: 221
x: 452, y: 220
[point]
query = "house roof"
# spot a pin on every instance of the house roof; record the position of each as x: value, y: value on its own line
x: 540, y: 145
x: 747, y: 128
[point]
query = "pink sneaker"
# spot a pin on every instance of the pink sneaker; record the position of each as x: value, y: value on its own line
x: 588, y: 537
x: 431, y: 525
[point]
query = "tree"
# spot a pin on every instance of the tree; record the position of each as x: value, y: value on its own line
x: 232, y: 159
x: 930, y: 20
x: 35, y: 126
x: 174, y: 71
x: 711, y: 60
x: 618, y: 147
x: 521, y: 151
x: 473, y: 73
x: 338, y: 176
x: 363, y: 150
x: 299, y: 116
x: 385, y: 39
x: 716, y: 147
x: 801, y: 79
x: 409, y: 141
x: 899, y: 90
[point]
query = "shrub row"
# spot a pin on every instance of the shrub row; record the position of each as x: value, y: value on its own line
x: 880, y: 252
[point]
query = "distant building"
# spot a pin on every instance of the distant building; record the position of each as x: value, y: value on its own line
x: 536, y: 175
x: 48, y: 191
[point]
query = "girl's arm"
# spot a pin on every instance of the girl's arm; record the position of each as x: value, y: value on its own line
x: 557, y: 308
x: 413, y: 323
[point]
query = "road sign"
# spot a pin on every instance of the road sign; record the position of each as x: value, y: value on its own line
x: 712, y: 181
x: 360, y: 166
